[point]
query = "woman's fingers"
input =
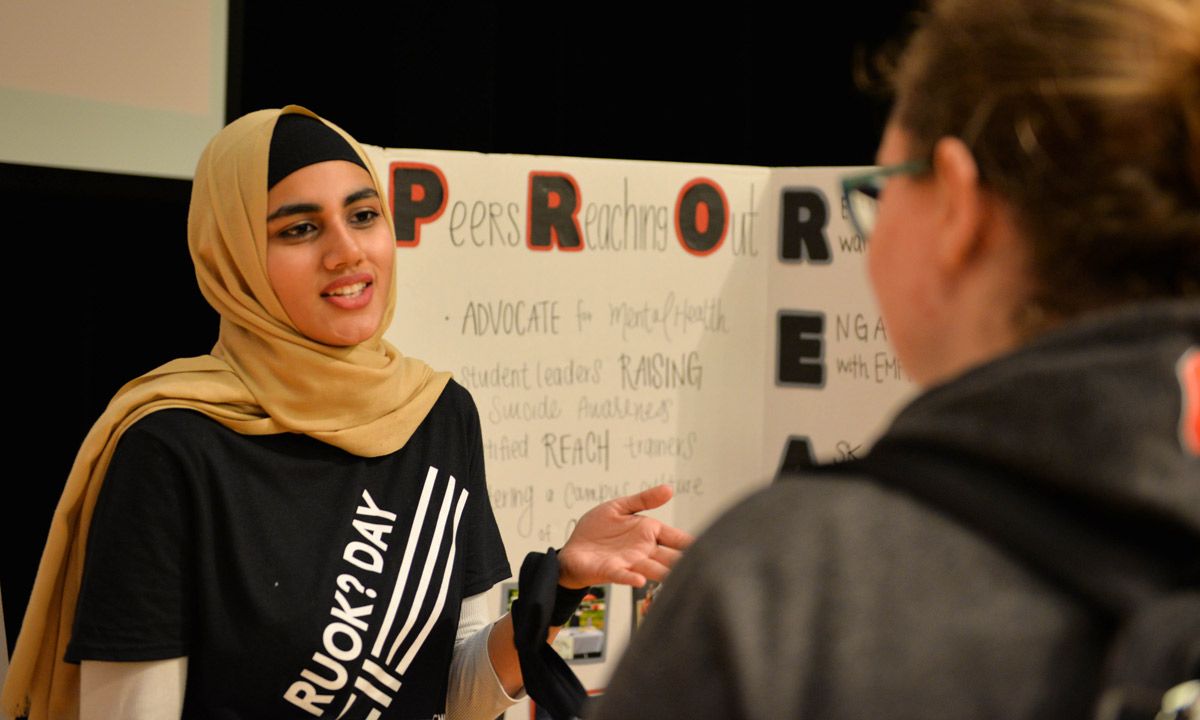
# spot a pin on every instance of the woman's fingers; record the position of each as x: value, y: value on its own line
x: 674, y: 538
x: 666, y: 556
x: 645, y: 500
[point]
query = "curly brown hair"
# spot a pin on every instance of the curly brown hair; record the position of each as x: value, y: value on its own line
x: 1084, y: 115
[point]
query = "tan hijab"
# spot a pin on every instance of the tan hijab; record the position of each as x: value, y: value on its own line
x: 263, y: 377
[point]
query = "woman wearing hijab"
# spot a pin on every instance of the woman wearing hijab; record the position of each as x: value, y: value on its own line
x: 297, y: 524
x: 1035, y: 251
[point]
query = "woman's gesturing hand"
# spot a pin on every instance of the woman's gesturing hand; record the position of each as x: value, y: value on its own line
x: 612, y: 543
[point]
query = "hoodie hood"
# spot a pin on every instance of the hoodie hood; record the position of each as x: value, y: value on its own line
x: 1105, y: 409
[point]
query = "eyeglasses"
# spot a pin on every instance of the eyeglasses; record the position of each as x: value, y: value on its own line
x: 862, y: 192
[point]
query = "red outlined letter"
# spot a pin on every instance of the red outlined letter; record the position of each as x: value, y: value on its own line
x: 1189, y: 382
x: 417, y: 193
x: 552, y: 213
x: 701, y: 216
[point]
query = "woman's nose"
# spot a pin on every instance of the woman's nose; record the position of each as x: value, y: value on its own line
x: 342, y: 247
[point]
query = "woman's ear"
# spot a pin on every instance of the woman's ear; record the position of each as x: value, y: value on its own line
x: 961, y: 204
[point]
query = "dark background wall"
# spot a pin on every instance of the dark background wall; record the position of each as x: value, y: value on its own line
x: 102, y: 286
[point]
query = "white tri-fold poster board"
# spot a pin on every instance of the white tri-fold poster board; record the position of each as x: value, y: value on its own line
x: 623, y: 324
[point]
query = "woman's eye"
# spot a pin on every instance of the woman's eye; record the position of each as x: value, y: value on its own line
x: 298, y: 230
x: 364, y: 216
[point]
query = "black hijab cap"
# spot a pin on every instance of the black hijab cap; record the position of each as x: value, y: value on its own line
x: 299, y: 141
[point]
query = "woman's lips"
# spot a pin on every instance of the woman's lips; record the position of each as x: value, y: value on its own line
x: 350, y: 292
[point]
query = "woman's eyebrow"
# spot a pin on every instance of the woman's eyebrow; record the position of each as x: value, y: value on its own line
x: 299, y: 208
x: 367, y: 192
x: 294, y: 209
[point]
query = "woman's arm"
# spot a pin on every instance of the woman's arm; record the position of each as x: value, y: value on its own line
x: 132, y: 690
x: 475, y: 690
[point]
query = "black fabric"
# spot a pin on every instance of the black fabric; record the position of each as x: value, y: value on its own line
x: 548, y: 679
x: 299, y: 141
x: 566, y: 602
x: 271, y: 563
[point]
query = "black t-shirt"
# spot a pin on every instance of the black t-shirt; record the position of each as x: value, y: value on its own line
x: 300, y: 580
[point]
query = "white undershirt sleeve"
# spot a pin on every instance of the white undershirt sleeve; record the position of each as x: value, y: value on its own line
x: 475, y: 692
x: 132, y: 690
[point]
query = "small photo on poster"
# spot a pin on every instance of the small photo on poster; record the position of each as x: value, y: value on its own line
x: 508, y: 593
x: 643, y: 598
x: 583, y: 638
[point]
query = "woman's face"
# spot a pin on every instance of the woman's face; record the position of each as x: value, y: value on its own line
x: 899, y: 260
x: 330, y: 252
